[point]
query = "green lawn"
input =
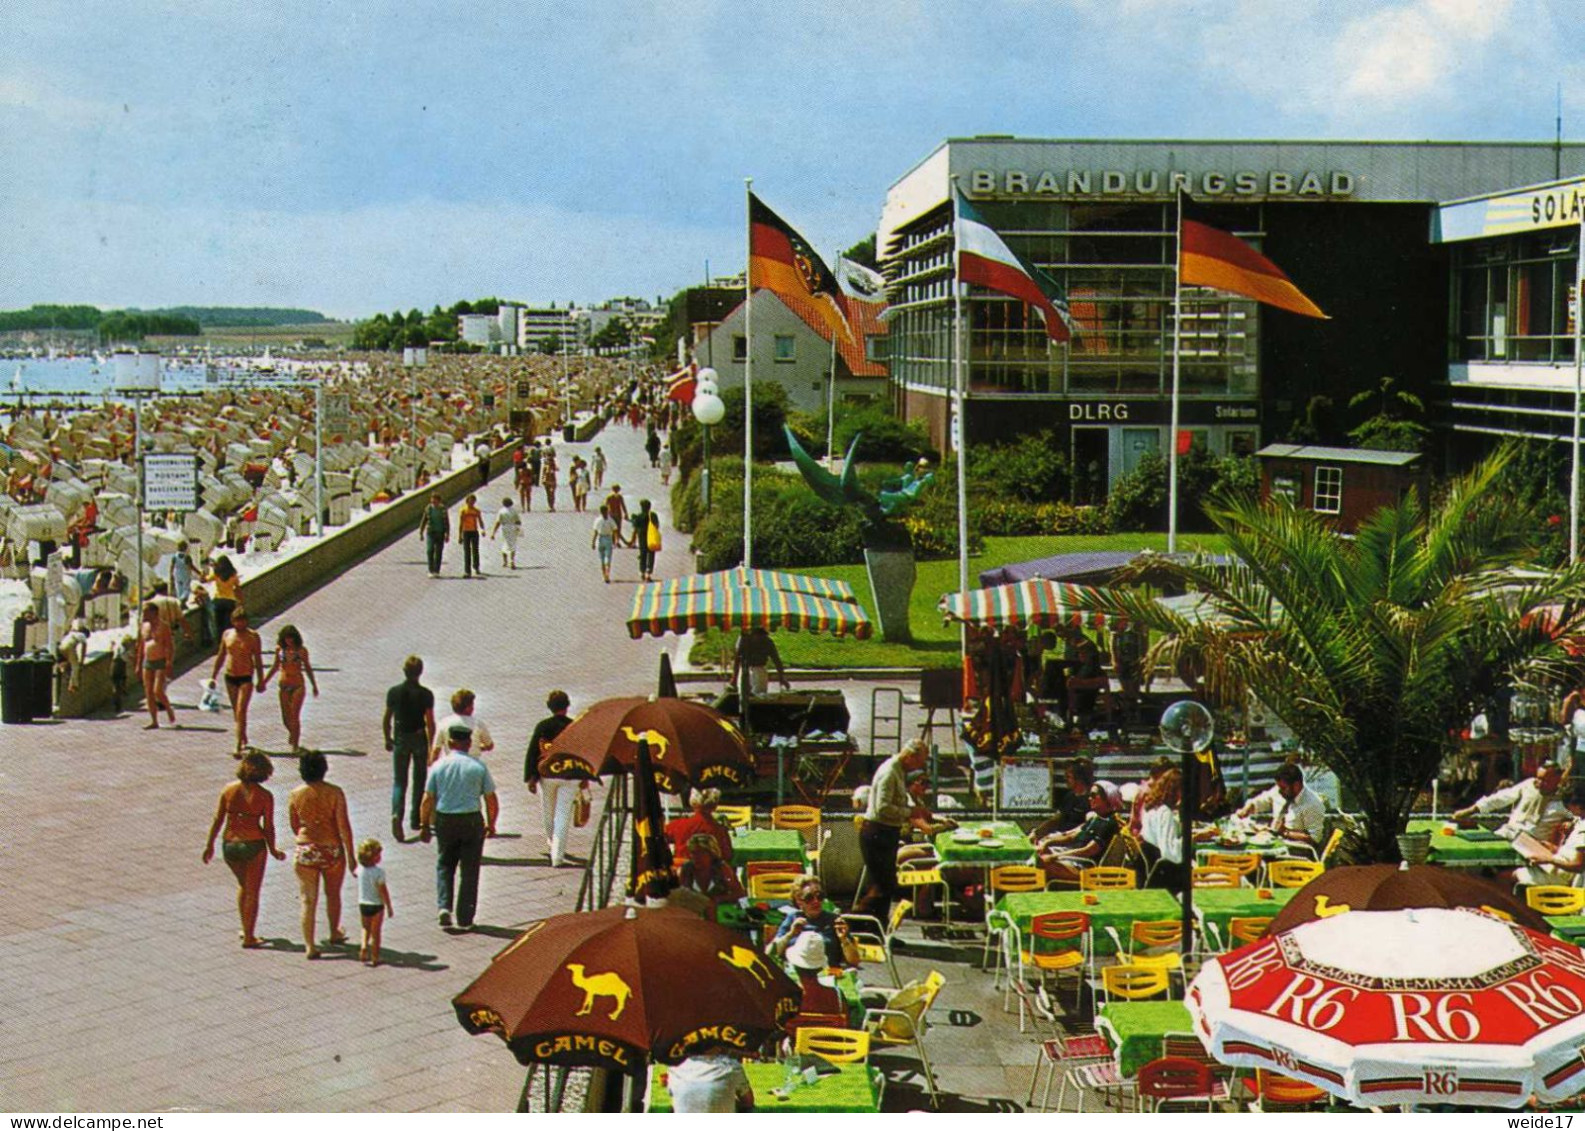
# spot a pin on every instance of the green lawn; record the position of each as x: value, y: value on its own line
x: 935, y: 644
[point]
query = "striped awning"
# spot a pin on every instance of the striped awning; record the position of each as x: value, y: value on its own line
x: 826, y: 587
x: 661, y: 607
x: 1036, y: 602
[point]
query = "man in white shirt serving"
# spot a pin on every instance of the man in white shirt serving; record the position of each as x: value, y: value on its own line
x: 1297, y: 813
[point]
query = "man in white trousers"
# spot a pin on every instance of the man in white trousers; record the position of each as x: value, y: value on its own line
x: 555, y: 795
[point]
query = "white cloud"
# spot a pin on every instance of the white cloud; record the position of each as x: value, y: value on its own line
x: 1414, y: 51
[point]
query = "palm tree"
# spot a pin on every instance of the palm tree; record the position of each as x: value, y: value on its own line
x: 1374, y: 649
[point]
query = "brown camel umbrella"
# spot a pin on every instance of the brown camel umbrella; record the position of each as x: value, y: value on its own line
x: 609, y: 988
x: 691, y: 744
x: 1389, y: 887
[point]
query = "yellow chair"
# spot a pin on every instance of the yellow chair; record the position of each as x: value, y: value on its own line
x: 773, y: 885
x: 1554, y: 899
x: 735, y: 816
x: 1134, y: 982
x: 1293, y: 873
x: 840, y: 1046
x: 1244, y: 929
x: 800, y: 817
x: 925, y: 874
x: 1246, y: 864
x: 1283, y: 1093
x: 902, y: 1022
x: 874, y: 941
x: 1209, y: 877
x: 1331, y: 845
x: 1108, y: 879
x: 1014, y: 878
x: 1066, y: 935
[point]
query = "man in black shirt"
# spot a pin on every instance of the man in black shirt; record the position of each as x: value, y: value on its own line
x: 555, y: 795
x: 409, y: 727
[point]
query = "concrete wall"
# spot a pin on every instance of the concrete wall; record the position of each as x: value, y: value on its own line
x: 281, y: 585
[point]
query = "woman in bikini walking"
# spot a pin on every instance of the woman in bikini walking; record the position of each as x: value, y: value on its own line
x: 291, y: 660
x: 152, y: 662
x: 318, y: 812
x: 243, y: 657
x: 247, y: 810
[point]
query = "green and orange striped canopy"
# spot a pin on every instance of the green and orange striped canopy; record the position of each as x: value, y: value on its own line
x: 731, y: 600
x: 1035, y: 602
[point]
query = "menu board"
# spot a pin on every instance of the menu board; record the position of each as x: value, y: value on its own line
x: 1024, y: 785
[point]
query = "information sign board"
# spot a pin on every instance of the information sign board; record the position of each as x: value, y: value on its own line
x: 170, y: 481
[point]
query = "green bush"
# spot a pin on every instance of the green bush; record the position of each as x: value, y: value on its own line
x: 886, y: 438
x: 810, y: 430
x: 770, y: 411
x: 1030, y: 468
x: 1138, y: 500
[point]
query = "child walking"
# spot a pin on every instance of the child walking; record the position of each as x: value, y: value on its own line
x: 374, y: 900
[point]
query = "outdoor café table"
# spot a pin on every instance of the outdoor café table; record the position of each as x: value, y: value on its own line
x: 1134, y: 1029
x: 1116, y: 909
x: 768, y: 844
x: 1218, y: 905
x: 854, y: 1087
x: 1459, y: 850
x: 1570, y: 928
x: 1009, y: 845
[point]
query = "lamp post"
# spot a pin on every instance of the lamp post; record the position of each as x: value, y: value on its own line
x: 708, y: 409
x: 1187, y: 728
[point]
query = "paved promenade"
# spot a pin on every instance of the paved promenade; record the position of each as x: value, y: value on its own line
x: 124, y: 985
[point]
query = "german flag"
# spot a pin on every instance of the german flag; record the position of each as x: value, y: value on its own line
x: 1209, y: 257
x: 782, y: 262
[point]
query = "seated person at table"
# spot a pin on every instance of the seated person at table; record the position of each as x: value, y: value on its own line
x: 1149, y: 793
x: 1075, y: 808
x: 807, y: 912
x: 704, y: 874
x: 1533, y: 805
x: 756, y: 651
x: 1297, y: 814
x: 1160, y: 831
x: 712, y: 1080
x: 1568, y: 858
x: 806, y: 955
x: 702, y: 820
x: 1064, y: 855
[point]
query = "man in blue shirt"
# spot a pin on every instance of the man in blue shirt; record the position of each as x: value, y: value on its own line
x: 451, y: 809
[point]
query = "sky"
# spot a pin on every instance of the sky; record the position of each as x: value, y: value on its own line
x: 352, y: 158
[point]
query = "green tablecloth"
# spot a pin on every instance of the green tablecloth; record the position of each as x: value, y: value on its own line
x: 738, y: 919
x: 856, y: 1087
x: 1457, y: 852
x: 1015, y: 847
x: 1570, y: 927
x: 1116, y: 909
x: 1278, y: 850
x: 1135, y: 1028
x: 768, y: 844
x: 1218, y: 905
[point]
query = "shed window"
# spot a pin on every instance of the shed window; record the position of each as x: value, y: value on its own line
x: 1329, y: 490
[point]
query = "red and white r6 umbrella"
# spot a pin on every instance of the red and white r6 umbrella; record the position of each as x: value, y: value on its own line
x: 1419, y: 1005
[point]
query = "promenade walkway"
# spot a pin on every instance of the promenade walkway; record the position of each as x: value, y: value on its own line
x: 125, y: 988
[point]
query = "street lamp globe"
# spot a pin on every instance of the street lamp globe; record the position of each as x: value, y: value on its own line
x: 708, y: 408
x: 706, y: 380
x: 1187, y: 727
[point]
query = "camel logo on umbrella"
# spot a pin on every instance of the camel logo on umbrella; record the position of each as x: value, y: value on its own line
x: 745, y: 959
x: 595, y: 986
x: 1325, y: 910
x: 657, y: 741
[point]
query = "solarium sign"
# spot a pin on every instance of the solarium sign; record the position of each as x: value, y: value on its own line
x: 1156, y: 183
x: 1546, y: 206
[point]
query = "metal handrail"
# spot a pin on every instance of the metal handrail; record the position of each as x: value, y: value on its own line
x: 605, y: 857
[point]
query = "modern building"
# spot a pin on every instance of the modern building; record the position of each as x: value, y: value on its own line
x: 478, y: 329
x: 1512, y: 332
x: 1348, y: 222
x: 797, y: 355
x: 568, y: 326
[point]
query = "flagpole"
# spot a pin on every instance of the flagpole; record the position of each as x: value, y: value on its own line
x: 748, y: 382
x: 1177, y: 370
x: 831, y: 406
x: 1579, y: 387
x: 957, y: 396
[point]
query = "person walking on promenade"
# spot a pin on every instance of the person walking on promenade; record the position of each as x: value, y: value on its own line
x: 226, y: 592
x: 291, y: 660
x: 617, y: 505
x: 247, y: 811
x: 152, y: 662
x: 652, y: 446
x: 555, y: 795
x: 604, y: 538
x: 374, y: 900
x: 242, y: 655
x: 456, y: 785
x: 470, y: 521
x: 579, y: 480
x: 885, y: 816
x: 435, y: 529
x: 462, y: 704
x: 509, y: 525
x: 646, y: 536
x: 536, y: 460
x: 547, y: 477
x: 481, y: 451
x: 409, y: 727
x: 318, y: 813
x: 668, y: 461
x: 523, y: 477
x: 597, y: 466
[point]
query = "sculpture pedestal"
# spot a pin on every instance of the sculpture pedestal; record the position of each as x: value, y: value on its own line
x: 892, y: 574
